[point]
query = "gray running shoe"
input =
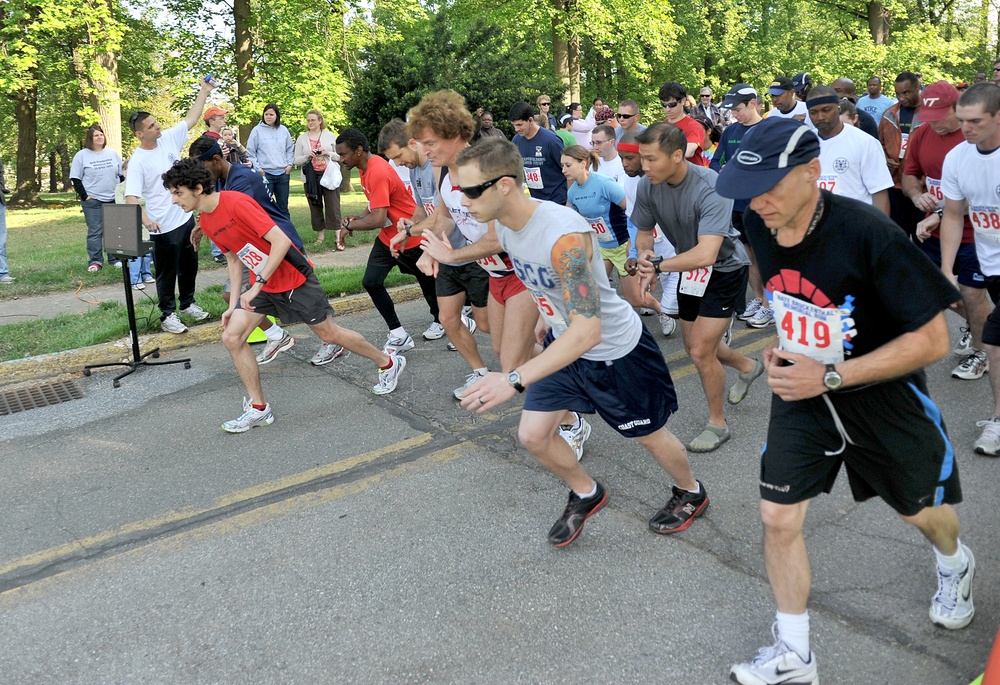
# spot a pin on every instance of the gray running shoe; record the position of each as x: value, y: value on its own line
x: 972, y: 367
x: 273, y: 347
x: 172, y: 324
x: 952, y: 606
x: 470, y: 380
x: 388, y: 378
x: 327, y: 353
x: 195, y: 312
x: 249, y: 419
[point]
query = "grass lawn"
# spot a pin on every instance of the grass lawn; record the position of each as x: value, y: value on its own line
x: 46, y: 247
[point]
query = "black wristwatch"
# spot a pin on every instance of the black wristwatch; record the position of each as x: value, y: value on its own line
x: 655, y: 261
x: 514, y: 378
x: 408, y: 234
x: 261, y: 279
x: 832, y: 378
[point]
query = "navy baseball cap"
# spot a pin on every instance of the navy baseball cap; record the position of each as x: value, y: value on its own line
x: 741, y: 92
x: 768, y: 152
x: 780, y: 85
x: 801, y: 81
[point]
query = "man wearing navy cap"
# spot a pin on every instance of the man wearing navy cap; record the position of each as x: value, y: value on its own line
x: 847, y: 377
x: 786, y: 105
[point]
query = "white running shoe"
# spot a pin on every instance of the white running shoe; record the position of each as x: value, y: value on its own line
x: 467, y: 311
x: 388, y: 378
x: 327, y: 353
x: 988, y: 442
x: 139, y: 286
x: 250, y: 418
x: 952, y: 606
x: 148, y: 279
x: 751, y: 309
x: 434, y: 332
x: 776, y: 665
x: 761, y: 318
x: 667, y: 324
x: 576, y: 437
x: 727, y: 337
x: 964, y: 343
x: 470, y: 380
x: 394, y: 345
x: 470, y: 323
x: 195, y: 312
x: 273, y: 347
x: 645, y: 311
x: 972, y: 367
x: 172, y: 324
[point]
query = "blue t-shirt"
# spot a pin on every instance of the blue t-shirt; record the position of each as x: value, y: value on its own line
x: 727, y: 148
x: 543, y: 165
x: 245, y: 180
x: 593, y: 201
x: 875, y: 107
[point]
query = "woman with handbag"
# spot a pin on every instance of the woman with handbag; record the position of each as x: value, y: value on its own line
x: 314, y: 152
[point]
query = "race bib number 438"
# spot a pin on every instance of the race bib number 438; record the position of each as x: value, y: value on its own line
x: 986, y: 221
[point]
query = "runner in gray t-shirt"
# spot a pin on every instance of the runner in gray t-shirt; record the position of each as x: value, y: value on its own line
x: 680, y: 197
x: 598, y: 357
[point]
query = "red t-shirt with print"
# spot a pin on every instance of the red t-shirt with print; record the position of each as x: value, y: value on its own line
x: 238, y: 225
x: 384, y: 188
x: 695, y: 133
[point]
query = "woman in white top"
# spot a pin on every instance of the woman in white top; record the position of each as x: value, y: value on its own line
x: 95, y: 172
x: 581, y: 126
x: 314, y: 151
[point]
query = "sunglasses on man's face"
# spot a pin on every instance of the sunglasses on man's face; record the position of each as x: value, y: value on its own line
x: 545, y: 104
x: 670, y: 105
x: 475, y: 192
x: 625, y: 117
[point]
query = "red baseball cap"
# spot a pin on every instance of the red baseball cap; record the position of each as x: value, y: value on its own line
x: 213, y: 111
x: 937, y: 100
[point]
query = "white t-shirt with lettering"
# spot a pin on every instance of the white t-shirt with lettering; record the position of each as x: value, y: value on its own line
x: 144, y: 179
x: 970, y: 175
x: 853, y: 165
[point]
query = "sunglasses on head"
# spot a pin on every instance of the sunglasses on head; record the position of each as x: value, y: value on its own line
x: 474, y: 192
x: 626, y: 116
x: 670, y: 105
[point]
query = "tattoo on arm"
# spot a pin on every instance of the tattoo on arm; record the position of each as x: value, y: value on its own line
x: 573, y: 266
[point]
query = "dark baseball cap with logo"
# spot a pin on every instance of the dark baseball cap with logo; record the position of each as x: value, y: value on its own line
x: 741, y: 92
x: 937, y: 100
x: 801, y: 81
x: 768, y: 152
x: 780, y: 85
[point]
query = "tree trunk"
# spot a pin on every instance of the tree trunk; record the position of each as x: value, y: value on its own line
x: 560, y: 60
x: 106, y: 99
x: 65, y: 161
x: 574, y: 69
x: 26, y: 114
x: 53, y: 177
x: 244, y: 56
x: 878, y: 23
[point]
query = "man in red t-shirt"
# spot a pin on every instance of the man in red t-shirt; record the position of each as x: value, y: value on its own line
x: 282, y: 284
x: 388, y: 202
x: 673, y: 96
x: 921, y: 183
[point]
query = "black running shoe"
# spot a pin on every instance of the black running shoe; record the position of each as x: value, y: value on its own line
x: 680, y: 511
x: 575, y: 515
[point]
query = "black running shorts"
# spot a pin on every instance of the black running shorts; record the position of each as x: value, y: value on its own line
x: 306, y: 304
x: 470, y: 278
x: 893, y: 444
x: 726, y: 293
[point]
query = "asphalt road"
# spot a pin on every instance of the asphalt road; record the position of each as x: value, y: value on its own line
x: 398, y: 539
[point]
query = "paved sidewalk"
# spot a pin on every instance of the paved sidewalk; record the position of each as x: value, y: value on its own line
x: 87, y: 299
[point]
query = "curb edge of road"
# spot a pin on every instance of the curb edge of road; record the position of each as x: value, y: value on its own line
x: 54, y: 364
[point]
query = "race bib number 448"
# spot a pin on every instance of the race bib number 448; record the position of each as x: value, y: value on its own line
x: 533, y: 177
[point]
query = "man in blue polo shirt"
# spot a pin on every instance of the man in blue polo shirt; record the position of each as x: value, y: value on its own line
x: 542, y: 153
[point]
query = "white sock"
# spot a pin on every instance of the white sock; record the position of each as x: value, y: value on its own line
x: 482, y: 372
x: 585, y: 495
x: 697, y: 490
x: 793, y: 630
x: 398, y: 332
x: 954, y: 563
x: 572, y: 426
x: 274, y: 333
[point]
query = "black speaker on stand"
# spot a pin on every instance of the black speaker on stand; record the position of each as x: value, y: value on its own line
x: 123, y: 238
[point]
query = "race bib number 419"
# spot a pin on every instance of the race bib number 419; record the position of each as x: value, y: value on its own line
x: 817, y: 332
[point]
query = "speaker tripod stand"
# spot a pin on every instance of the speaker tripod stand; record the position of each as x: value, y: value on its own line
x: 137, y: 358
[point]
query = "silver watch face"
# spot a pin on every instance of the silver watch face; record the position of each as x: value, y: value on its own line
x: 832, y: 380
x: 514, y: 378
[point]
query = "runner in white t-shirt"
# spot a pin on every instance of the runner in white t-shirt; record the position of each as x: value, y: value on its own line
x: 169, y: 226
x: 970, y: 180
x: 851, y: 160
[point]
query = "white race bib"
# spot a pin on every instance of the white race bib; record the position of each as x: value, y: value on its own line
x: 428, y: 208
x: 492, y: 263
x: 253, y: 258
x: 817, y: 332
x: 828, y: 182
x: 986, y: 222
x: 533, y: 177
x: 934, y: 188
x: 551, y: 315
x: 695, y: 282
x: 600, y: 228
x: 657, y: 234
x: 902, y: 145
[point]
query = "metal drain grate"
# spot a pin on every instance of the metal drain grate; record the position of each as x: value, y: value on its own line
x: 53, y: 392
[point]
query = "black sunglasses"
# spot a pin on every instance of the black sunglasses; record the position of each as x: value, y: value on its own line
x: 626, y: 116
x: 670, y: 105
x: 545, y: 104
x: 474, y: 192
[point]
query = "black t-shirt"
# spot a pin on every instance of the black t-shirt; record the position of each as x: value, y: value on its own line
x: 856, y: 260
x: 905, y: 119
